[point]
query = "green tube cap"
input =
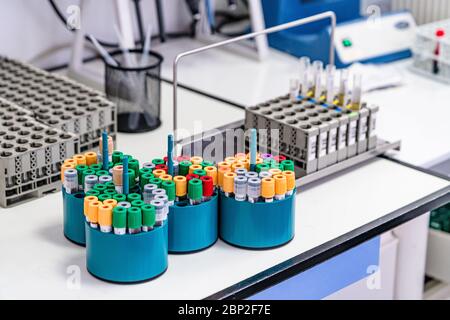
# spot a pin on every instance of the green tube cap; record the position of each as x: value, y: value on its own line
x: 102, y: 173
x: 119, y: 217
x: 92, y: 192
x: 199, y: 172
x: 134, y: 218
x: 156, y: 181
x: 158, y: 161
x: 143, y: 171
x: 288, y: 165
x: 134, y: 164
x: 96, y: 166
x: 116, y: 156
x: 104, y: 197
x: 148, y: 215
x: 207, y: 164
x: 169, y: 186
x: 195, y: 189
x: 145, y: 178
x: 133, y: 196
x: 100, y: 187
x: 262, y: 167
x: 137, y: 203
x: 120, y: 197
x: 183, y: 167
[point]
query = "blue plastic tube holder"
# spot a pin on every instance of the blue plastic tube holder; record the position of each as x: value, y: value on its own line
x: 74, y: 218
x: 258, y: 225
x: 193, y: 228
x: 127, y: 258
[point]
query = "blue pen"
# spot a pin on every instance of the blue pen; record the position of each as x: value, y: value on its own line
x: 252, y: 149
x: 105, y: 150
x: 125, y: 181
x: 170, y: 154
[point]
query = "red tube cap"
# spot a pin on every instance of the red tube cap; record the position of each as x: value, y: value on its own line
x: 208, y: 186
x: 191, y: 176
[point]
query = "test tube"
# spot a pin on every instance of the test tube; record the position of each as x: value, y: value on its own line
x: 280, y: 186
x: 253, y: 189
x: 86, y: 202
x: 208, y: 188
x: 318, y: 84
x: 294, y: 86
x: 180, y: 187
x: 164, y: 198
x: 228, y: 183
x: 304, y: 71
x: 119, y: 220
x: 356, y: 93
x: 343, y: 86
x: 290, y: 181
x: 330, y: 72
x: 134, y: 220
x: 71, y: 180
x: 195, y: 191
x: 317, y: 68
x: 89, y: 182
x: 159, y: 211
x: 93, y: 213
x: 268, y: 189
x: 240, y: 188
x: 117, y: 178
x: 148, y: 192
x: 148, y: 217
x: 105, y: 218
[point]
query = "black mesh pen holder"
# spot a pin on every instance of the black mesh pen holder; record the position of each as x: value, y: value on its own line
x: 135, y: 86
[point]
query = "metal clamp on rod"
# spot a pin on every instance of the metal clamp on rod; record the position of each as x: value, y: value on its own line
x: 325, y: 15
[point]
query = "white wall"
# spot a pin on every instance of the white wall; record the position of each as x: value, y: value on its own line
x: 29, y: 27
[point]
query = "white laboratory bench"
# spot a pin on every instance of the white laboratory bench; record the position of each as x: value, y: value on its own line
x: 37, y: 261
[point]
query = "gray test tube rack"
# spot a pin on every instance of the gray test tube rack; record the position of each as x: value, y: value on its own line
x: 30, y: 155
x: 44, y: 119
x: 58, y: 101
x: 314, y: 135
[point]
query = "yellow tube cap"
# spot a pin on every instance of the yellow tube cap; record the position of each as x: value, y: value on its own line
x: 80, y: 159
x: 211, y: 172
x: 194, y: 167
x: 220, y: 174
x: 105, y: 215
x: 64, y: 167
x: 280, y: 184
x: 237, y: 165
x: 224, y: 164
x: 86, y: 202
x: 196, y: 160
x: 158, y: 173
x: 111, y: 202
x: 268, y: 188
x: 275, y: 171
x: 165, y: 177
x: 180, y: 186
x: 228, y: 181
x: 230, y: 160
x: 93, y: 211
x: 290, y: 179
x: 91, y: 158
